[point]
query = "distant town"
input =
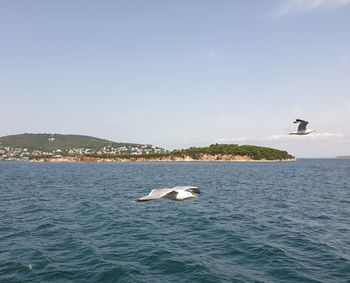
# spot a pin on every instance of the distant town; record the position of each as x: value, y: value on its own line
x: 13, y: 153
x: 32, y: 146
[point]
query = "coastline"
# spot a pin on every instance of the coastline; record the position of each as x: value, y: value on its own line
x: 205, y: 158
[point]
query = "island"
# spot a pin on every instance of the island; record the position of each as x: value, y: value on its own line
x: 214, y: 152
x: 77, y: 148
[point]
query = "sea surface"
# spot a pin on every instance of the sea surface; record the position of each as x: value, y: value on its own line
x: 253, y: 222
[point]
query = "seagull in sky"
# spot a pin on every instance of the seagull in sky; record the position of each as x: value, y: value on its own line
x: 302, y: 128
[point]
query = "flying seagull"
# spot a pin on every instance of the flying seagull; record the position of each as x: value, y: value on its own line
x: 175, y: 193
x: 301, y: 128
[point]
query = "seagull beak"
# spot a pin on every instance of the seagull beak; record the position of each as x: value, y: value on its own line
x: 194, y: 196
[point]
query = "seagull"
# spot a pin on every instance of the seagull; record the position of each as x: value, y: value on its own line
x: 302, y: 128
x: 175, y: 193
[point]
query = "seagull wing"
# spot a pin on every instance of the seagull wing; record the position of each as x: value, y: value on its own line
x: 191, y: 189
x: 302, y: 125
x: 155, y: 194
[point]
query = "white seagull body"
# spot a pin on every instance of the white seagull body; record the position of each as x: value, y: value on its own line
x: 302, y: 128
x: 175, y: 193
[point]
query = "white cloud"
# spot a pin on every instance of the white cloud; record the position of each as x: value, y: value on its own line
x: 232, y: 140
x: 285, y: 138
x: 344, y: 58
x: 304, y: 6
x: 209, y: 53
x: 312, y: 136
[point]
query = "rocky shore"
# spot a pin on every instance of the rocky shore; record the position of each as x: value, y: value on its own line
x: 186, y: 158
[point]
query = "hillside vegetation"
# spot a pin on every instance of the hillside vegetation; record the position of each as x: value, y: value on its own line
x: 255, y: 152
x: 63, y: 142
x: 220, y: 151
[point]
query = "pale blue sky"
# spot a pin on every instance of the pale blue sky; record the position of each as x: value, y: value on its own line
x: 179, y: 73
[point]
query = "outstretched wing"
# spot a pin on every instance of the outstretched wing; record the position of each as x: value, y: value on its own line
x: 155, y: 194
x: 302, y: 125
x: 191, y: 189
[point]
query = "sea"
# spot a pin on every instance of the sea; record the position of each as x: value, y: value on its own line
x: 253, y: 222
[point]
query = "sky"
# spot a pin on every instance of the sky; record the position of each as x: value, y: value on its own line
x: 179, y: 73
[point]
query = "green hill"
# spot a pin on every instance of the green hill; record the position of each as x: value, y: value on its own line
x: 48, y: 142
x: 254, y: 152
x: 343, y: 157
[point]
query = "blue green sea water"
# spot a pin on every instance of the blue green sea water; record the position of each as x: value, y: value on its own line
x: 253, y: 222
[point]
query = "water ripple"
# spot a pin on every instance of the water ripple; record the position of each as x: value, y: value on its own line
x: 280, y: 222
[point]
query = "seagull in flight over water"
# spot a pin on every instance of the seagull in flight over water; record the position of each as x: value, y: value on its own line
x: 175, y: 193
x: 302, y: 128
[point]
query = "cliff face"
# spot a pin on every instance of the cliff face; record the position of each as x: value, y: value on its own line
x: 202, y: 157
